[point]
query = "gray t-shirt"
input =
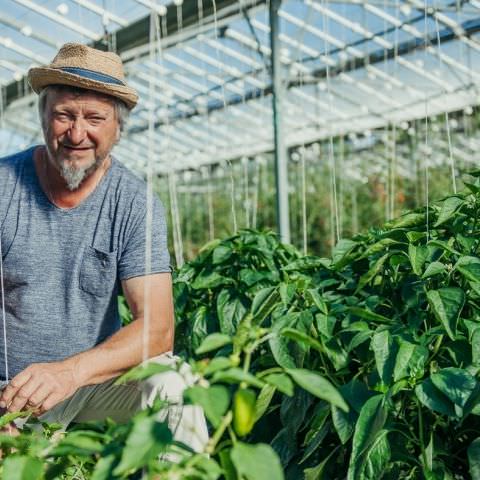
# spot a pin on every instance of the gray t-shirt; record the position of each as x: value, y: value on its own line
x: 62, y: 267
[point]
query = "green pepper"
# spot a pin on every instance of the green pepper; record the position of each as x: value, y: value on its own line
x: 244, y: 411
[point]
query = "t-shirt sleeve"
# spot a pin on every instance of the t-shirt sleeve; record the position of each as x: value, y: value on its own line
x: 133, y: 258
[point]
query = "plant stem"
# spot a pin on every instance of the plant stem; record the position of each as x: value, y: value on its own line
x: 420, y: 436
x: 212, y: 443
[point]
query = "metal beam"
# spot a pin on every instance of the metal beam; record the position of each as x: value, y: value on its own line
x: 470, y: 27
x: 137, y: 34
x: 280, y: 151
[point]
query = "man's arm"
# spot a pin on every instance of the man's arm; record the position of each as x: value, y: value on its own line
x: 43, y: 385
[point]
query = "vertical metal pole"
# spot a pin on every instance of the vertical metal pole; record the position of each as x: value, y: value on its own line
x: 281, y: 154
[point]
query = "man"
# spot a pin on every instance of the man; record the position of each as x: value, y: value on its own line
x: 73, y: 231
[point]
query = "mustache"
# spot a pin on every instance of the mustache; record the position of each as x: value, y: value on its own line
x: 79, y: 147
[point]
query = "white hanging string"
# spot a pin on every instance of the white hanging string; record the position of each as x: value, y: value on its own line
x: 427, y: 148
x: 354, y: 209
x: 4, y: 316
x: 2, y: 287
x: 246, y: 191
x: 335, y: 234
x: 149, y: 214
x: 256, y: 184
x: 224, y: 100
x: 447, y: 119
x: 393, y: 169
x: 304, y: 201
x: 211, y: 213
x: 176, y: 224
x: 341, y: 160
x: 387, y: 179
x: 232, y: 196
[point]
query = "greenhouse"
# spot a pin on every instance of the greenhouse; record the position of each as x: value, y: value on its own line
x: 315, y: 248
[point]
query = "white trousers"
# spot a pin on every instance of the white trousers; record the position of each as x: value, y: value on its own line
x: 120, y: 402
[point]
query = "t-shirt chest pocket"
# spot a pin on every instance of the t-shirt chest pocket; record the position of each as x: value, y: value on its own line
x: 98, y: 272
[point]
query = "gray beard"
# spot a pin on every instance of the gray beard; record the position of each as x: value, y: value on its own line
x: 75, y: 176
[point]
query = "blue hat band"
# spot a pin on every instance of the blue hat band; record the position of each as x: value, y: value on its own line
x: 91, y: 75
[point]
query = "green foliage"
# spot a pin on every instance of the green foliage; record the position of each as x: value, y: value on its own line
x: 390, y: 323
x: 362, y: 366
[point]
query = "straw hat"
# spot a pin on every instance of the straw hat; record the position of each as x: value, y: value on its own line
x: 85, y: 67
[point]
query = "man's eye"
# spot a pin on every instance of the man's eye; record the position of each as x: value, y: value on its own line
x: 95, y: 120
x: 61, y: 116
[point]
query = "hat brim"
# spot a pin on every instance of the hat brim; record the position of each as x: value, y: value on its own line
x: 40, y: 77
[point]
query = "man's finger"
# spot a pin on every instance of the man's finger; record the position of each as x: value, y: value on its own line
x: 38, y: 397
x: 12, y: 388
x: 48, y: 403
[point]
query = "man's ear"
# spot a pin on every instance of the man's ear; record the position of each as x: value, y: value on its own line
x: 118, y: 135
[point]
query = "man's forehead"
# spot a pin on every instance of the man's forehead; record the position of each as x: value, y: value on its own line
x: 81, y: 97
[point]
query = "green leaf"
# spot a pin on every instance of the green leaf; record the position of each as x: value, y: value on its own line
x: 474, y: 458
x: 214, y: 401
x: 385, y: 353
x: 287, y: 292
x: 368, y: 315
x: 434, y: 268
x: 216, y: 364
x: 210, y: 280
x: 22, y: 468
x: 143, y: 371
x: 356, y: 393
x: 318, y: 301
x: 433, y: 399
x: 449, y: 208
x: 408, y: 220
x: 104, y: 467
x: 455, y: 383
x: 410, y: 360
x: 367, y: 430
x: 447, y: 304
x: 344, y: 423
x: 336, y: 353
x: 264, y: 303
x: 379, y: 246
x: 256, y: 462
x: 307, y: 263
x: 302, y: 338
x: 317, y: 385
x: 476, y: 347
x: 227, y: 465
x: 80, y: 443
x: 343, y: 252
x: 263, y: 401
x: 378, y: 456
x: 10, y: 417
x: 236, y: 375
x: 470, y: 272
x: 147, y: 439
x: 417, y: 256
x: 444, y: 246
x: 280, y: 351
x: 213, y: 342
x: 221, y: 254
x: 317, y: 472
x: 281, y: 382
x: 325, y: 324
x: 230, y: 310
x: 373, y: 272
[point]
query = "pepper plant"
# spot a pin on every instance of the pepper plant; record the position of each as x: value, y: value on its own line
x: 359, y: 366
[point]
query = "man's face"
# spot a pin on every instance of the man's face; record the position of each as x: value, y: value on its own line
x: 80, y: 130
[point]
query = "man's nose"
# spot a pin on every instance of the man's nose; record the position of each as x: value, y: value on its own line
x: 77, y: 132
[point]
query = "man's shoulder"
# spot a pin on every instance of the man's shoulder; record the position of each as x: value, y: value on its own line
x: 131, y: 187
x: 12, y: 161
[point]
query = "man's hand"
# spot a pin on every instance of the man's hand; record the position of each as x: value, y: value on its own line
x: 40, y: 387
